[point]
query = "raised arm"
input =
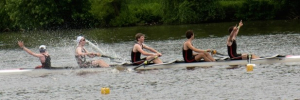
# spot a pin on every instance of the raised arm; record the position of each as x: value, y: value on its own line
x: 235, y: 31
x: 79, y: 51
x: 21, y: 44
x: 238, y: 28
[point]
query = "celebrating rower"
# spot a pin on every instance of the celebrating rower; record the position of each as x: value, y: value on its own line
x: 81, y: 53
x: 232, y: 46
x: 43, y: 55
x: 137, y: 50
x: 188, y: 48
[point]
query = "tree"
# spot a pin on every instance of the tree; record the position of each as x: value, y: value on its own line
x: 192, y: 11
x: 5, y: 21
x: 36, y: 14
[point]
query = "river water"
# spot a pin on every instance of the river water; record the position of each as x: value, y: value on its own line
x: 267, y: 81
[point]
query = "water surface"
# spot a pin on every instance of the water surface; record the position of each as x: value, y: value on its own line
x: 267, y: 81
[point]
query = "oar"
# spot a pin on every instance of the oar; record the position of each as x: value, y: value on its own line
x: 219, y: 55
x: 105, y: 56
x: 215, y: 52
x: 145, y: 62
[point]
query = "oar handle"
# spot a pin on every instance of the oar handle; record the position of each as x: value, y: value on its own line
x: 215, y: 52
x: 106, y: 56
x: 145, y: 62
x: 109, y: 57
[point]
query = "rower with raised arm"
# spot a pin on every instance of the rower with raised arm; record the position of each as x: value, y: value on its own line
x: 188, y: 50
x: 137, y: 50
x: 232, y: 45
x: 81, y: 53
x: 43, y: 55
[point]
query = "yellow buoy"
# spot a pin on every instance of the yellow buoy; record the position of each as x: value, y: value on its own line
x: 250, y: 67
x: 105, y: 90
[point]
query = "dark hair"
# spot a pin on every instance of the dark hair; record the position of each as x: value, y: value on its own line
x: 138, y: 35
x: 189, y: 34
x: 230, y: 29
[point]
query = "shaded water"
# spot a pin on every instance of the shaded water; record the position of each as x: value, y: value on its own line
x: 267, y: 81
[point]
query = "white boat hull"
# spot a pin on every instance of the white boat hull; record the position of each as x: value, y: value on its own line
x: 18, y: 70
x: 220, y: 63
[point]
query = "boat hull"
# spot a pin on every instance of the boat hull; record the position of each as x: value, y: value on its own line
x: 173, y: 64
x: 220, y: 63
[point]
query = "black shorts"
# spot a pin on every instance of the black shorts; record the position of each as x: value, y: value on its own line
x: 191, y: 59
x: 139, y: 62
x: 236, y: 57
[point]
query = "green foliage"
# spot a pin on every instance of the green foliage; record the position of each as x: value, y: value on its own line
x: 5, y: 21
x: 146, y: 13
x: 49, y: 14
x: 192, y: 11
x: 125, y: 13
x: 261, y: 9
x: 287, y: 9
x: 105, y: 10
x: 256, y: 10
x: 170, y: 9
x: 32, y: 14
x: 230, y: 8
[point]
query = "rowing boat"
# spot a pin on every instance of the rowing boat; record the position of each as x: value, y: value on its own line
x: 171, y: 64
x: 266, y: 60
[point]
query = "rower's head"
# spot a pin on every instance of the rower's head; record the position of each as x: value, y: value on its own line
x: 80, y: 40
x: 189, y: 34
x: 230, y: 29
x: 42, y: 49
x: 140, y: 37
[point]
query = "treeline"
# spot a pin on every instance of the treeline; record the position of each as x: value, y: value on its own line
x: 70, y: 14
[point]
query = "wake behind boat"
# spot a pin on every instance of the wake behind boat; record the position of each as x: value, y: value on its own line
x: 17, y: 70
x: 56, y: 70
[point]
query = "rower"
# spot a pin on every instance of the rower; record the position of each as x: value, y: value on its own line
x: 232, y: 46
x: 137, y: 50
x: 43, y: 55
x: 188, y: 49
x: 81, y: 53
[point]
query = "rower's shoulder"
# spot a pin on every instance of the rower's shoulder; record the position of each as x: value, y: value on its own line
x: 187, y: 43
x: 136, y: 45
x: 79, y: 47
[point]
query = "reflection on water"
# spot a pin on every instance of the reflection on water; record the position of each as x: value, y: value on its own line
x: 270, y: 81
x: 157, y: 33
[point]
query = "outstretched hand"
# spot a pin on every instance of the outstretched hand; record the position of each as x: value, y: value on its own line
x: 21, y: 44
x: 93, y: 54
x: 97, y: 54
x: 208, y: 50
x: 241, y: 23
x: 159, y: 54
